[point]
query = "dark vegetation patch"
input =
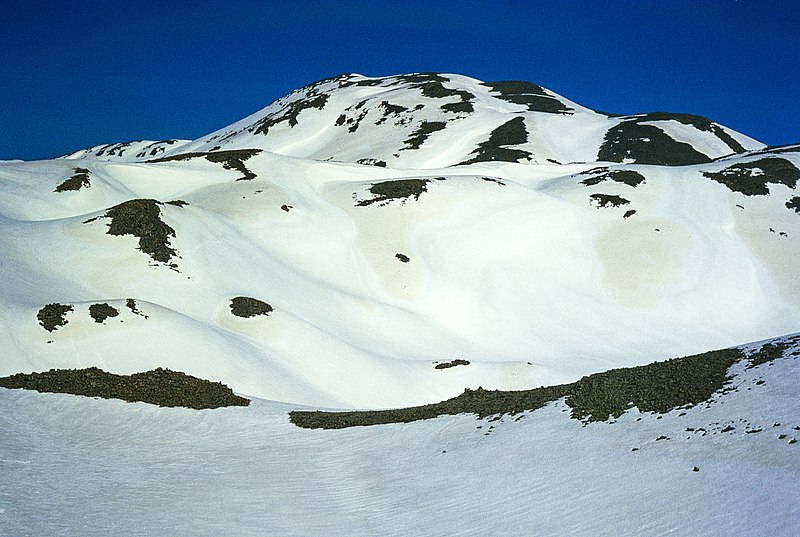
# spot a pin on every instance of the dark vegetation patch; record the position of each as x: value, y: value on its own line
x: 101, y: 312
x: 388, y: 110
x: 646, y: 144
x: 528, y: 94
x: 78, y: 179
x: 794, y: 204
x: 52, y: 315
x: 131, y: 305
x: 751, y: 178
x: 372, y: 162
x: 608, y: 200
x: 399, y: 189
x: 698, y: 122
x: 629, y: 213
x: 402, y: 257
x: 355, y: 114
x: 142, y: 218
x: 464, y: 107
x: 767, y: 353
x: 234, y: 160
x: 245, y: 306
x: 451, y: 363
x: 512, y: 132
x: 230, y: 160
x: 290, y: 111
x: 425, y: 129
x: 627, y: 177
x: 432, y: 86
x: 160, y: 387
x: 658, y: 387
x: 177, y: 203
x: 155, y: 148
x: 114, y: 150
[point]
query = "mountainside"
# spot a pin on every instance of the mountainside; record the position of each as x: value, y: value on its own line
x: 725, y: 466
x: 337, y: 246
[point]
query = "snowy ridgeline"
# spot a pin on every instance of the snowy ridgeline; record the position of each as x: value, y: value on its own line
x: 78, y: 466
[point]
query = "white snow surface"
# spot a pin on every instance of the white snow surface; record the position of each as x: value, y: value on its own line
x: 75, y: 466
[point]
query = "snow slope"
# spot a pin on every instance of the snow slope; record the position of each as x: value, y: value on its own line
x: 395, y: 223
x: 78, y: 466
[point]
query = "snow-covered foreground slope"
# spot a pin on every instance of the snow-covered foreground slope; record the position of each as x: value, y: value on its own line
x: 77, y: 466
x: 383, y: 226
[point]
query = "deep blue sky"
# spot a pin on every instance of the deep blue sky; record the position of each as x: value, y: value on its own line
x: 79, y: 73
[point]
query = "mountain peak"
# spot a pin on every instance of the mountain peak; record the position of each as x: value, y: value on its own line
x: 436, y: 120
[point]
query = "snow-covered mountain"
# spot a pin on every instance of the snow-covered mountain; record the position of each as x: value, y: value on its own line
x: 335, y: 247
x: 385, y: 242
